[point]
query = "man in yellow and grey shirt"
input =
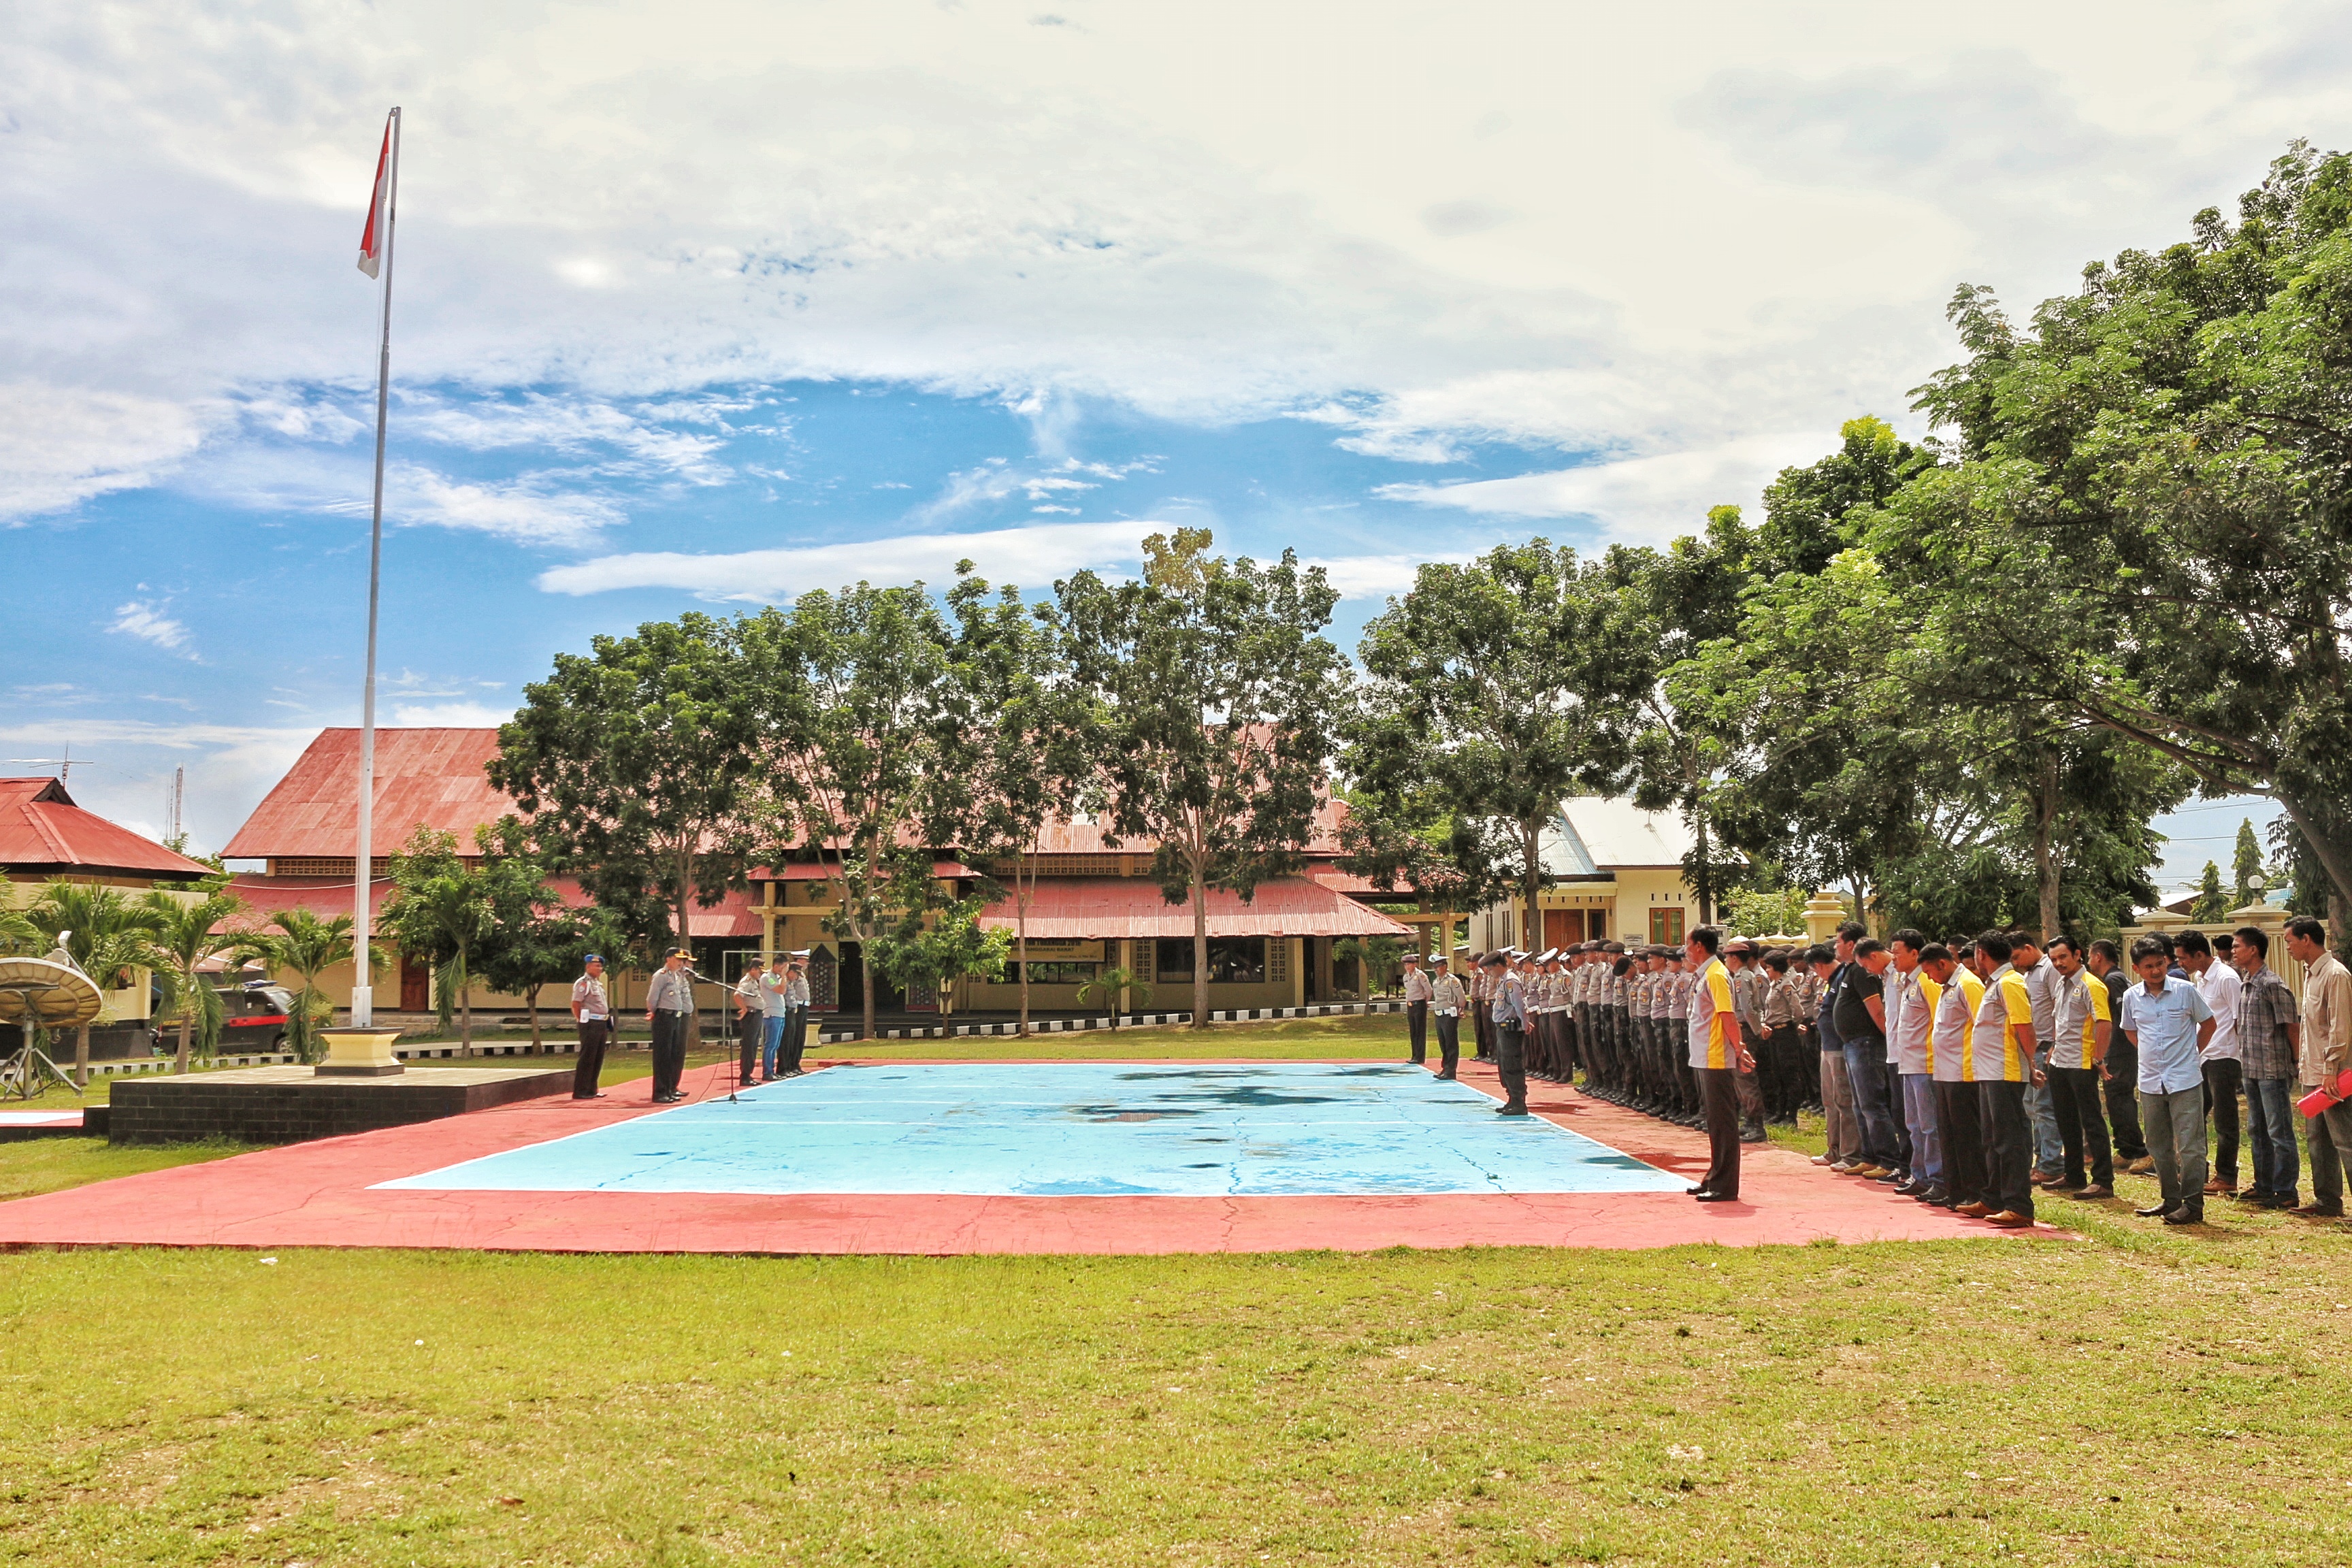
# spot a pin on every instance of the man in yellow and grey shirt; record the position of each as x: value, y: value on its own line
x: 1717, y: 1056
x: 2002, y: 1053
x: 1958, y: 991
x: 2085, y: 1021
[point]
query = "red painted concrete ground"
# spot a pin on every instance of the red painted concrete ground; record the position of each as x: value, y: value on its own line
x: 317, y: 1194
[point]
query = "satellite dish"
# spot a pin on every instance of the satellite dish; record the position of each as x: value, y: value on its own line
x: 42, y: 991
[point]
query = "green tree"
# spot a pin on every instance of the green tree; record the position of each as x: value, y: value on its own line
x: 307, y: 947
x: 2209, y: 908
x: 1765, y: 911
x: 1493, y: 705
x: 1215, y: 692
x: 535, y: 940
x: 1404, y: 842
x: 2146, y: 484
x: 938, y: 940
x: 441, y: 911
x: 1662, y: 608
x: 187, y: 943
x: 1032, y: 741
x: 2245, y: 864
x: 109, y: 937
x: 630, y: 763
x: 861, y: 731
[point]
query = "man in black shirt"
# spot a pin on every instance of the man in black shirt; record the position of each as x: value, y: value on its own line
x: 2119, y: 1079
x: 1861, y: 1025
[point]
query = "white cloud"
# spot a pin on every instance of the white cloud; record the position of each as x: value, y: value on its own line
x: 1030, y: 556
x: 450, y: 715
x: 575, y: 425
x: 1631, y: 230
x: 1376, y: 576
x: 230, y: 766
x: 149, y: 624
x: 532, y: 510
x: 59, y: 445
x: 1647, y: 500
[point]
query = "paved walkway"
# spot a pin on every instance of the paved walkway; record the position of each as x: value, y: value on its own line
x: 330, y: 1194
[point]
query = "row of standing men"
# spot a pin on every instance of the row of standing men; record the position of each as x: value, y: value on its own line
x: 1965, y: 1074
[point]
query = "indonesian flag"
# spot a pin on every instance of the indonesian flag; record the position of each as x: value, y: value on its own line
x: 379, y: 222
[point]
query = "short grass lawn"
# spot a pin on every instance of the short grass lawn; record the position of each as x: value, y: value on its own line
x: 2129, y: 1395
x: 2140, y: 1399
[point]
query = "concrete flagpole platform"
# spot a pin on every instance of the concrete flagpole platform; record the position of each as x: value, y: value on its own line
x: 939, y: 1158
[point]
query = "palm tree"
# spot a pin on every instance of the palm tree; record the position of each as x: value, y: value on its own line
x: 19, y: 937
x: 448, y: 917
x: 307, y: 946
x: 105, y: 934
x: 188, y: 943
x: 1108, y: 983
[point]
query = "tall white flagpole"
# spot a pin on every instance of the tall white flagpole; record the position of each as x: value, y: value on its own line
x: 363, y: 864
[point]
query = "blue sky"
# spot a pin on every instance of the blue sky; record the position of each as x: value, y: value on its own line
x: 699, y: 304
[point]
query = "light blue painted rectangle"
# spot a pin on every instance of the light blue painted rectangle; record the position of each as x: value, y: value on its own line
x: 1175, y: 1128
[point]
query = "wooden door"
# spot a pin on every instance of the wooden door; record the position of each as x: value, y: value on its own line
x: 416, y: 986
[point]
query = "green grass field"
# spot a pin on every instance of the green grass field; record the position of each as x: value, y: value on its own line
x: 2135, y: 1396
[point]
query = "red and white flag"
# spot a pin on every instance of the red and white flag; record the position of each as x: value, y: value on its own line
x: 379, y: 222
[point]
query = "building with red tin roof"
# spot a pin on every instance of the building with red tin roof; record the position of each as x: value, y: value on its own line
x: 1096, y: 904
x: 307, y: 825
x: 43, y: 834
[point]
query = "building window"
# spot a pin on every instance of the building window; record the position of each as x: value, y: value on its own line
x: 1277, y: 961
x: 1232, y: 960
x: 1059, y: 973
x: 1144, y: 953
x: 1666, y: 928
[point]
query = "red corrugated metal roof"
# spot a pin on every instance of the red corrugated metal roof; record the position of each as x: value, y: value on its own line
x: 327, y: 897
x: 731, y: 915
x: 1064, y: 837
x: 43, y: 832
x: 424, y: 778
x: 1090, y: 906
x: 1341, y: 881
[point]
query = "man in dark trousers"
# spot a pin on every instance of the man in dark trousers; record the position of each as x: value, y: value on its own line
x: 2119, y: 1078
x: 669, y: 1006
x: 1717, y: 1056
x: 751, y: 1020
x: 1416, y: 1008
x: 1509, y: 1010
x: 591, y: 1012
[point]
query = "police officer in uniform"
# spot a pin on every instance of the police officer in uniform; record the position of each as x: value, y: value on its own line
x: 670, y: 1007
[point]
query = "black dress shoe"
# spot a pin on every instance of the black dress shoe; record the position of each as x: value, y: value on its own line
x: 1719, y: 1197
x: 2154, y: 1211
x: 1695, y: 1192
x: 2185, y: 1215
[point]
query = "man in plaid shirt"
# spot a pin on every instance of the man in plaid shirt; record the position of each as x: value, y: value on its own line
x: 2268, y: 1040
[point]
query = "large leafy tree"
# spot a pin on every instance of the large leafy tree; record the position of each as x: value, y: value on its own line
x: 1662, y: 606
x: 859, y: 732
x: 1215, y: 692
x: 1033, y: 743
x: 1497, y: 698
x: 630, y: 762
x: 535, y: 940
x: 2148, y: 499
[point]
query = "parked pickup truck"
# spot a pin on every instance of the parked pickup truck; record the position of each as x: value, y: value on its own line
x: 256, y: 1016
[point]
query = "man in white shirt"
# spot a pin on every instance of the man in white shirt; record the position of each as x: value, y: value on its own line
x: 593, y: 1012
x: 751, y: 1021
x: 2219, y: 984
x: 1448, y: 998
x: 1416, y: 1008
x: 1910, y: 1024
